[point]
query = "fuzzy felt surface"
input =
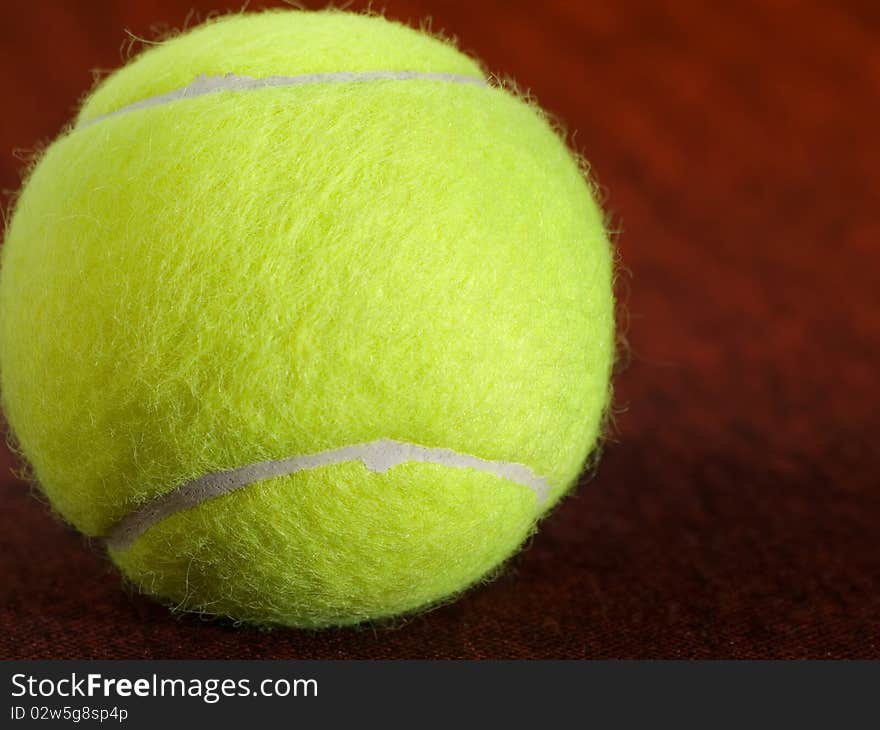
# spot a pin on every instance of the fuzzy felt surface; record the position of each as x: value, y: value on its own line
x: 252, y: 275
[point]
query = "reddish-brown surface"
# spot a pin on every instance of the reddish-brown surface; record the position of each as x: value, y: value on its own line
x: 738, y: 513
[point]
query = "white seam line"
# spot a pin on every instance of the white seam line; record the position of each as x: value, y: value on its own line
x: 204, y: 84
x: 378, y: 456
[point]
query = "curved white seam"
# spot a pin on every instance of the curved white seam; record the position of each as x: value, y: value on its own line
x: 204, y: 84
x: 378, y: 456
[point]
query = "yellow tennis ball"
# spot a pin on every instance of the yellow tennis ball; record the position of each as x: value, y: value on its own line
x: 306, y: 317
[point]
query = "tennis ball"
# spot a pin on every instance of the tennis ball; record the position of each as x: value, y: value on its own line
x: 306, y: 317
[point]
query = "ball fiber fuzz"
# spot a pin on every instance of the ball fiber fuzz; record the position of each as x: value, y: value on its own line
x: 307, y: 317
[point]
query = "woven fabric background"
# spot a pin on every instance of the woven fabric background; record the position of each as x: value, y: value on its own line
x: 737, y: 510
